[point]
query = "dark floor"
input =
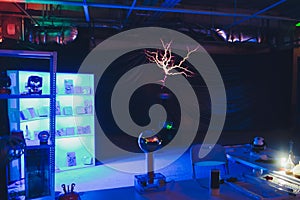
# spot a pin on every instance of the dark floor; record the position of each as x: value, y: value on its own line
x: 102, y: 177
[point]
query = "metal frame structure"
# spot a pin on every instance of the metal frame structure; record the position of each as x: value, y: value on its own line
x: 165, y: 9
x: 52, y: 57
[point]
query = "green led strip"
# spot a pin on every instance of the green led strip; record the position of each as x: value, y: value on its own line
x: 298, y: 24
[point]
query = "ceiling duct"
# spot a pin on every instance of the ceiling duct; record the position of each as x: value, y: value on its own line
x: 209, y: 34
x: 239, y: 36
x: 158, y: 9
x: 51, y: 34
x: 43, y: 34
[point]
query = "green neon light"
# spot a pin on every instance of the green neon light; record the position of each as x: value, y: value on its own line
x: 298, y: 24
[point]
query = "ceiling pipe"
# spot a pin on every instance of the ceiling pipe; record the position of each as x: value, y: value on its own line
x: 146, y: 8
x: 27, y: 14
x: 166, y: 4
x: 86, y: 11
x: 130, y: 10
x: 256, y: 14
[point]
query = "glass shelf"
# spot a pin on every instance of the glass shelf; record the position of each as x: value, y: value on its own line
x: 74, y: 136
x: 73, y: 113
x: 35, y: 143
x: 57, y: 116
x: 76, y: 115
x: 72, y: 167
x: 75, y: 94
x: 19, y: 96
x: 34, y: 119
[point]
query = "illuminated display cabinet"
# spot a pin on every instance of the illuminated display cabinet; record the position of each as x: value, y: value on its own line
x: 75, y: 129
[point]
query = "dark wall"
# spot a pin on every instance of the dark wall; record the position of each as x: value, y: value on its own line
x: 259, y: 89
x: 258, y: 86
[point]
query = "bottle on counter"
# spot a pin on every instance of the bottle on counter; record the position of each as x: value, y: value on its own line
x: 290, y: 164
x: 29, y: 135
x: 296, y: 170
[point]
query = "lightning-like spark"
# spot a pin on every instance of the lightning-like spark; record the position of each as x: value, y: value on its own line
x: 165, y: 60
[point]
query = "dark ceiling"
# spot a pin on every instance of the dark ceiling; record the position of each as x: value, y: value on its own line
x: 126, y: 10
x: 256, y: 18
